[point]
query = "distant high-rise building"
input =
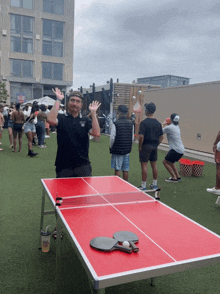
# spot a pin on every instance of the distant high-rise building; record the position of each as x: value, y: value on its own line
x: 36, y: 47
x: 164, y: 81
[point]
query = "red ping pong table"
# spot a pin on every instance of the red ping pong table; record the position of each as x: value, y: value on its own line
x: 169, y: 242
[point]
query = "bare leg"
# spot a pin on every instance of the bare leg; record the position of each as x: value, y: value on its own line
x: 20, y: 140
x: 125, y: 175
x: 1, y: 133
x: 169, y: 166
x: 154, y: 169
x: 217, y: 185
x: 10, y: 134
x: 144, y: 171
x: 176, y: 171
x: 118, y: 173
x: 15, y: 140
x: 30, y: 139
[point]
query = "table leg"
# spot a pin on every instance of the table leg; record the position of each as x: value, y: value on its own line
x: 94, y: 291
x: 152, y: 282
x: 42, y: 216
x: 58, y: 249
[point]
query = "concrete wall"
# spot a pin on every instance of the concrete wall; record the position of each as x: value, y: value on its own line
x: 198, y: 107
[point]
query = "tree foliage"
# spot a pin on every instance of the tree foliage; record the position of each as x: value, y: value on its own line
x: 3, y: 93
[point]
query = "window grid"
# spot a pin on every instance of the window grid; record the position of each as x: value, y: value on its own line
x: 52, y: 38
x: 22, y: 3
x: 53, y: 6
x: 22, y: 68
x: 52, y: 71
x: 22, y: 33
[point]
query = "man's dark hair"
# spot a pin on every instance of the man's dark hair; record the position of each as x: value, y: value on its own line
x: 43, y: 107
x: 35, y: 107
x: 123, y: 109
x: 17, y: 106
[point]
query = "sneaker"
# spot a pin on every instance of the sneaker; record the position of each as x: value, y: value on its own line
x: 42, y: 146
x: 213, y: 190
x: 154, y: 187
x: 46, y: 136
x: 142, y: 189
x: 179, y: 179
x: 171, y: 180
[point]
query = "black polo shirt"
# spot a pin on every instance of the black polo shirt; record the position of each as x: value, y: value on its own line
x: 151, y: 128
x: 72, y: 141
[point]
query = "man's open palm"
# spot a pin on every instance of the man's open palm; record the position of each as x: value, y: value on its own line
x: 94, y: 106
x: 58, y: 93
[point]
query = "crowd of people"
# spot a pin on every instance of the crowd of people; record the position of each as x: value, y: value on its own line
x: 72, y: 128
x: 28, y: 119
x: 151, y: 134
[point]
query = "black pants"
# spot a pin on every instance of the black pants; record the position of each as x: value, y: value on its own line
x: 82, y: 171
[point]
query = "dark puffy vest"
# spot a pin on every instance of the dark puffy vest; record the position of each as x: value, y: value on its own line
x: 123, y: 138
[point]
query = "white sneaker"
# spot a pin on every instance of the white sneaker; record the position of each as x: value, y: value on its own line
x: 46, y: 136
x: 42, y: 146
x: 213, y: 190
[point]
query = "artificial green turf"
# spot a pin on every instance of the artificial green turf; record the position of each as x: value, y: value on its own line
x: 25, y: 269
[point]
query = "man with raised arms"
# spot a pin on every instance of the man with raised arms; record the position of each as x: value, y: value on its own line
x: 72, y: 158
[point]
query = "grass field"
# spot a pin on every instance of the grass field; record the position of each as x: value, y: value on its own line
x: 25, y: 269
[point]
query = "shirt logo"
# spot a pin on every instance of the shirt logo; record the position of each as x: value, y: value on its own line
x: 82, y: 123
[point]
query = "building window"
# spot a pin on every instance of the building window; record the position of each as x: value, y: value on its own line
x: 22, y: 68
x: 52, y: 38
x: 17, y: 89
x: 22, y: 33
x: 52, y: 71
x: 54, y: 6
x: 22, y: 3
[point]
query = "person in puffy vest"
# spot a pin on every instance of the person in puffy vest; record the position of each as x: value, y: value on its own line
x: 121, y: 137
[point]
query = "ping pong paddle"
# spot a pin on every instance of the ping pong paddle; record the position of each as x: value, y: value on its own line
x: 108, y: 244
x: 132, y: 238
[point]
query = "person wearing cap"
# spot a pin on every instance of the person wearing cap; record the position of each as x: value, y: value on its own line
x: 121, y: 138
x: 216, y: 150
x: 176, y: 148
x: 150, y: 136
x: 72, y: 158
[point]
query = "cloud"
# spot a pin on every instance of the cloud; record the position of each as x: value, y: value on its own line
x: 127, y: 40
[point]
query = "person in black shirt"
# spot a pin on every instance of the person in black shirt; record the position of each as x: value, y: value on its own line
x: 150, y: 136
x: 72, y: 135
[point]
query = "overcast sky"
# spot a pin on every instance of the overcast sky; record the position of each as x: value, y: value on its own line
x: 129, y: 39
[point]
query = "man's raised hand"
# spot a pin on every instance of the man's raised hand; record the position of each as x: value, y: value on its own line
x: 58, y: 94
x: 94, y: 106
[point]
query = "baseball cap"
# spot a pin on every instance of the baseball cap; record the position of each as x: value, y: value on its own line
x: 150, y: 107
x: 175, y: 118
x: 122, y: 108
x: 76, y: 94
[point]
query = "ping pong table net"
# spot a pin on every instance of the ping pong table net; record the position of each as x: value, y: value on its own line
x: 102, y: 199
